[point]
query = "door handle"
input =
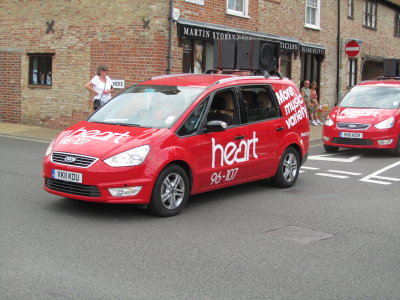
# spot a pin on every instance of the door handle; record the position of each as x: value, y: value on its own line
x: 280, y: 128
x: 239, y: 137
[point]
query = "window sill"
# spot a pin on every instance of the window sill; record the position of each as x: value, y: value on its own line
x: 38, y: 86
x: 237, y: 14
x: 309, y: 26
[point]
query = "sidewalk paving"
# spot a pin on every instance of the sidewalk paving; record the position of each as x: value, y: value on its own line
x: 45, y: 134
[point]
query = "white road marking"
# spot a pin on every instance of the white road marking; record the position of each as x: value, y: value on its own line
x: 370, y: 178
x: 310, y: 168
x: 328, y: 157
x: 332, y: 175
x: 345, y: 172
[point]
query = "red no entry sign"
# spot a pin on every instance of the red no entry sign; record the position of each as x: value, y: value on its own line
x: 352, y: 48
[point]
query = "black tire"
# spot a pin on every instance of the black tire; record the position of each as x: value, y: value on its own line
x: 288, y: 169
x: 396, y: 151
x: 170, y: 192
x: 331, y: 149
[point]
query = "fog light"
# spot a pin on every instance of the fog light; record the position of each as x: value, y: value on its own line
x: 124, y: 191
x: 326, y: 139
x: 385, y: 142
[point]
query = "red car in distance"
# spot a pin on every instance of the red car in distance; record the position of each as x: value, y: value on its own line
x: 367, y: 117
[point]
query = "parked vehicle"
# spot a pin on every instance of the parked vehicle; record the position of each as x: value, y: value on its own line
x: 173, y: 136
x: 367, y: 117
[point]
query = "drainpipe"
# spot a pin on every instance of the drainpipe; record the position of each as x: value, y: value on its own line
x: 171, y: 22
x: 339, y: 57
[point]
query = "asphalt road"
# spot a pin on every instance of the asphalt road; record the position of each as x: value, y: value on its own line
x: 326, y: 238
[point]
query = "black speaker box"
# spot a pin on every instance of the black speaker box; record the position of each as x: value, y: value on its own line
x: 257, y: 55
x: 224, y: 54
x: 391, y: 67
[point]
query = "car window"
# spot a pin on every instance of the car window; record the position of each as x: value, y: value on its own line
x: 372, y: 97
x: 258, y: 103
x: 155, y: 106
x: 194, y: 121
x: 223, y: 107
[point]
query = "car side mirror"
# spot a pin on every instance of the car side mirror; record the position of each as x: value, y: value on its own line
x: 216, y: 126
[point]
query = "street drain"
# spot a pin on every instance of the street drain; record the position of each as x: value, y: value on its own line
x: 299, y: 235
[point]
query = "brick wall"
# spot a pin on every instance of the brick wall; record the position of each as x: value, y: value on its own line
x: 92, y: 32
x: 10, y: 86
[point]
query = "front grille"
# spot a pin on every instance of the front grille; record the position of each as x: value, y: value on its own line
x: 346, y: 141
x: 76, y: 160
x: 352, y: 126
x: 72, y: 188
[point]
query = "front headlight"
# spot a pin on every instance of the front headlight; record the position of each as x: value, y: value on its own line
x: 329, y: 122
x: 388, y: 123
x: 129, y: 158
x: 49, y: 148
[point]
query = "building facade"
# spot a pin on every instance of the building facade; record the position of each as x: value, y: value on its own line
x: 49, y: 50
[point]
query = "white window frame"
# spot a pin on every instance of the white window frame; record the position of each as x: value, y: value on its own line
x: 370, y: 14
x: 350, y: 9
x: 312, y: 6
x: 352, y: 71
x: 243, y: 13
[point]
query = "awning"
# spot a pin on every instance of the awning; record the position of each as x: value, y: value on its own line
x: 312, y: 49
x: 207, y: 31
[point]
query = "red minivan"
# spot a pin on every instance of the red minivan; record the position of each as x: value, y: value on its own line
x: 367, y: 117
x: 164, y: 139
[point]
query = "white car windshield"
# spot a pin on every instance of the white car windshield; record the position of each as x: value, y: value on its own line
x: 154, y: 106
x: 385, y: 97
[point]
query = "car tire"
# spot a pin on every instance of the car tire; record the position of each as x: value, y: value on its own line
x: 170, y: 192
x: 331, y: 149
x: 288, y: 169
x: 396, y: 151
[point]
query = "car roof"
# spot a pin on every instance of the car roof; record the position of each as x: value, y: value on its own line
x: 204, y: 80
x: 381, y: 82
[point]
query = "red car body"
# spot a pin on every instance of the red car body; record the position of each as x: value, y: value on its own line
x: 213, y: 155
x: 368, y: 117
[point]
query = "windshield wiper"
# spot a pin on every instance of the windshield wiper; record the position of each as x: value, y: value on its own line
x: 125, y: 124
x: 119, y: 124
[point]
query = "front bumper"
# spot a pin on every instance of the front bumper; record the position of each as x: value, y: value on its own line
x: 97, y: 179
x: 372, y: 138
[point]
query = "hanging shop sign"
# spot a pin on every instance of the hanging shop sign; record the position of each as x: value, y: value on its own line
x: 205, y: 31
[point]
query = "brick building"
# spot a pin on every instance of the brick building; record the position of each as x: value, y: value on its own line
x: 50, y: 49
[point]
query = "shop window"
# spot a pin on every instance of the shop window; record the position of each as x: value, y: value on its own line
x: 237, y: 7
x: 197, y: 56
x: 312, y: 14
x: 40, y: 69
x: 369, y: 19
x: 350, y: 9
x: 352, y: 72
x: 285, y: 65
x: 397, y: 24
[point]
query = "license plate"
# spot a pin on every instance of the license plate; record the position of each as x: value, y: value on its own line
x: 67, y: 176
x: 352, y: 135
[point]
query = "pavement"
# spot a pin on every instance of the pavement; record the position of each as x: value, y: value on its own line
x: 45, y: 134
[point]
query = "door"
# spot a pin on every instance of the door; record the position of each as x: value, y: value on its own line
x: 264, y: 129
x: 224, y: 154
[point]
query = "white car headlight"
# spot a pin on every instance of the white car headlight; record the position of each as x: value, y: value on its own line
x: 388, y: 123
x: 329, y: 122
x: 49, y: 148
x: 129, y: 158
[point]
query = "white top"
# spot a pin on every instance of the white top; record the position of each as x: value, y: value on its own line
x: 99, y: 86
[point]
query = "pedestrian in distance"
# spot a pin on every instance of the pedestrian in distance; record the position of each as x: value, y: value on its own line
x: 101, y: 86
x: 314, y: 101
x: 312, y: 111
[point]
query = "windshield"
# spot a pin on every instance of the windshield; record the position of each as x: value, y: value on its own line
x: 156, y: 106
x: 372, y: 97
